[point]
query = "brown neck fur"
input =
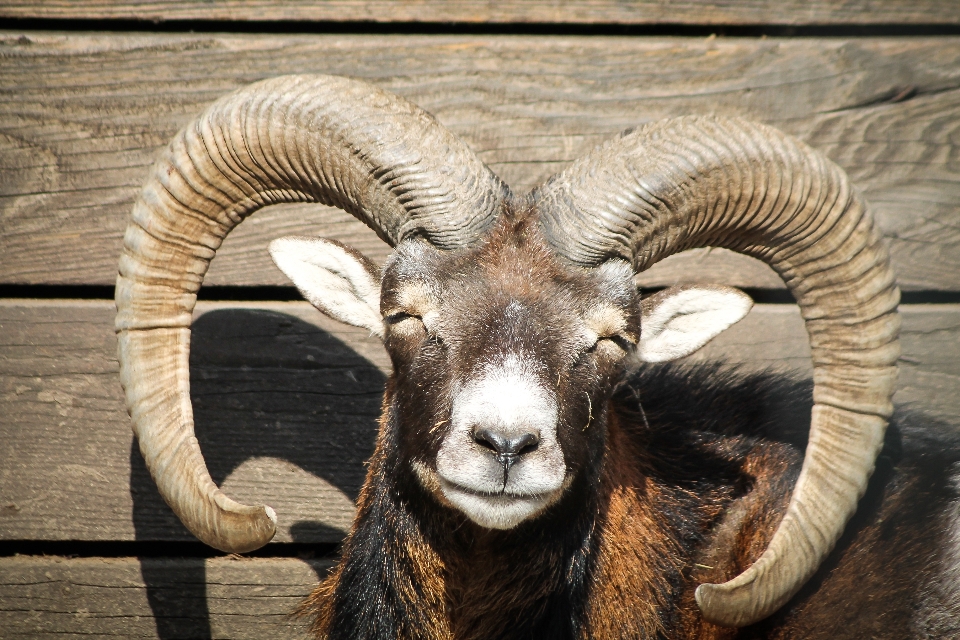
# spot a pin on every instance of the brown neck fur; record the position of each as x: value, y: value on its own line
x: 465, y: 582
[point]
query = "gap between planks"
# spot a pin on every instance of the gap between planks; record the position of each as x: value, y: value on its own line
x: 609, y: 12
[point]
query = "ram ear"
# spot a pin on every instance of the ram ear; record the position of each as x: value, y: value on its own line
x: 678, y: 321
x: 336, y: 279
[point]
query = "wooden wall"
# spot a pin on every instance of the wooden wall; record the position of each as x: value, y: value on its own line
x: 286, y: 400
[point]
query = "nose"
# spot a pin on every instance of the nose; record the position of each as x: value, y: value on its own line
x: 508, y: 448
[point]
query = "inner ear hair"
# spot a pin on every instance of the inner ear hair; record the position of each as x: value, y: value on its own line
x: 335, y: 278
x: 680, y: 320
x: 648, y: 303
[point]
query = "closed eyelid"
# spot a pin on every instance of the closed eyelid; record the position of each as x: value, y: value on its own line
x: 399, y: 316
x: 621, y: 340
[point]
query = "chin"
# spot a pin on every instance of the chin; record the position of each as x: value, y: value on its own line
x: 501, y: 511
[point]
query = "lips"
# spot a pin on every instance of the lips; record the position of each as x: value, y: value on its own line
x: 447, y: 485
x: 490, y: 509
x: 495, y: 510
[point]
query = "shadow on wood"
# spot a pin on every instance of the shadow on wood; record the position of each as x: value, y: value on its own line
x: 264, y: 385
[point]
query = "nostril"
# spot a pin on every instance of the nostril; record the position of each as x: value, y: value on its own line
x: 490, y: 440
x: 505, y: 446
x: 526, y: 443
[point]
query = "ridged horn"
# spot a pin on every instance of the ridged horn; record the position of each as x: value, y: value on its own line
x: 710, y: 181
x: 321, y: 139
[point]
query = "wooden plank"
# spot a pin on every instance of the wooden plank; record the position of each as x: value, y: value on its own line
x: 83, y: 115
x: 286, y: 409
x: 49, y: 597
x: 773, y: 336
x: 639, y: 12
x: 286, y: 403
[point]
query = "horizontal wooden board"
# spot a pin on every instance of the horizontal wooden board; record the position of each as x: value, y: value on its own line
x: 286, y: 404
x: 94, y: 598
x: 700, y: 12
x: 83, y: 115
x: 773, y: 336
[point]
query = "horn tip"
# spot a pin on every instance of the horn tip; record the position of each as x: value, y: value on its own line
x: 272, y: 515
x: 244, y: 530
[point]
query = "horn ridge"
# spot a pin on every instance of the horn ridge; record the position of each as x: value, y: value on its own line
x: 321, y: 139
x: 711, y: 181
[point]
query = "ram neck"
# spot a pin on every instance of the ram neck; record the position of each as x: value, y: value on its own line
x: 414, y: 569
x: 650, y: 534
x: 388, y: 583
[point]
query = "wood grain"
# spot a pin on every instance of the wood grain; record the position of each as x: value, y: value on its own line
x: 286, y: 404
x: 286, y: 411
x: 83, y: 115
x: 49, y: 597
x: 641, y: 12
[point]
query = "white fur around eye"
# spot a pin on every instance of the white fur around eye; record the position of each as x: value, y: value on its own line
x: 415, y: 312
x: 680, y: 320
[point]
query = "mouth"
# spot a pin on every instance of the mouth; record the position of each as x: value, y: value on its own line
x: 490, y: 509
x: 502, y: 495
x: 495, y: 510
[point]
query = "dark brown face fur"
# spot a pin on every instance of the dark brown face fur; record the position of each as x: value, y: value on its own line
x: 508, y: 308
x: 504, y: 324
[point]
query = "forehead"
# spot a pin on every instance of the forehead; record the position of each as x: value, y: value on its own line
x: 512, y: 275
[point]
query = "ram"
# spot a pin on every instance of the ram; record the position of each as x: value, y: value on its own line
x: 530, y: 480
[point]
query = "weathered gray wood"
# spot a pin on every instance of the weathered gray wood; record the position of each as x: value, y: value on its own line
x: 49, y: 597
x: 772, y: 336
x: 286, y: 404
x: 704, y: 12
x: 286, y: 412
x: 82, y: 117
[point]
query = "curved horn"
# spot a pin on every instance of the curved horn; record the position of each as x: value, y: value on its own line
x: 696, y: 182
x: 319, y: 139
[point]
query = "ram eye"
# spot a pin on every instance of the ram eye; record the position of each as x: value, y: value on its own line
x: 405, y: 324
x: 400, y: 316
x: 615, y: 346
x: 621, y: 341
x: 412, y: 326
